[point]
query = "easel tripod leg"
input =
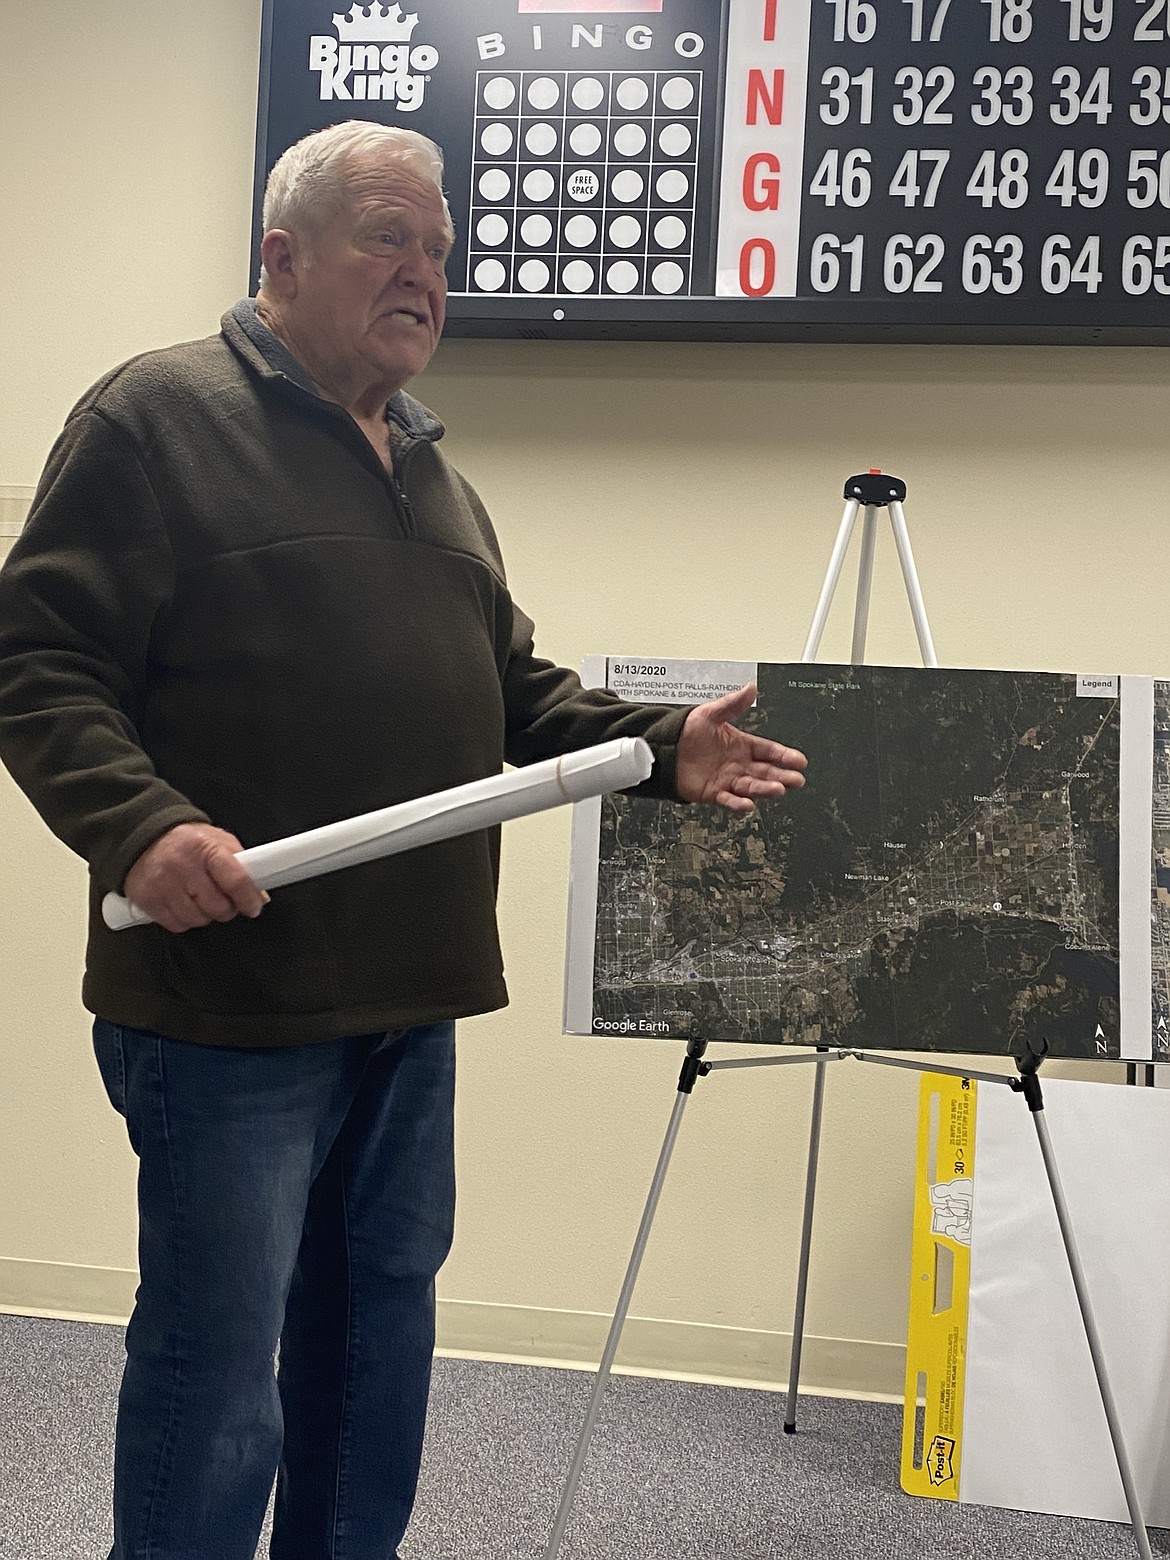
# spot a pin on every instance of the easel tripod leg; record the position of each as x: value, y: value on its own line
x: 832, y: 575
x: 864, y: 585
x: 810, y: 1196
x: 1132, y: 1498
x: 913, y: 588
x: 692, y: 1068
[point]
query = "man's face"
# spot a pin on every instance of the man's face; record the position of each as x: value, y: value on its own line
x: 373, y: 295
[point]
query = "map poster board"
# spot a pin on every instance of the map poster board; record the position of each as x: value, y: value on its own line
x: 977, y: 858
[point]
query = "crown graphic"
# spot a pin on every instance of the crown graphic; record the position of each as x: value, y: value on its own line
x: 375, y: 24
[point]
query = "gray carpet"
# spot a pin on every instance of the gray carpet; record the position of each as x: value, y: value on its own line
x: 676, y: 1470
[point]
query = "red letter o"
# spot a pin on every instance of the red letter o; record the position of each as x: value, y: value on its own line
x: 764, y: 247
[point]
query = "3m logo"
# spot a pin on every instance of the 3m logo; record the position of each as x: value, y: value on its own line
x: 588, y: 7
x: 940, y: 1460
x: 372, y: 59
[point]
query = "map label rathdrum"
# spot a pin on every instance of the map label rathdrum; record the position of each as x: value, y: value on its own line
x: 973, y: 862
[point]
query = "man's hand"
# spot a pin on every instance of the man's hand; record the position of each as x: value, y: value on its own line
x: 719, y: 763
x: 190, y: 877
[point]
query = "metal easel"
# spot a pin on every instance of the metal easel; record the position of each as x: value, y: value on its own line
x: 871, y: 491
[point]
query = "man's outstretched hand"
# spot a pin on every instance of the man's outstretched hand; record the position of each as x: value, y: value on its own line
x: 717, y: 762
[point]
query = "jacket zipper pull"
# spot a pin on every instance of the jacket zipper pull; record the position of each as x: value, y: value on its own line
x: 404, y: 505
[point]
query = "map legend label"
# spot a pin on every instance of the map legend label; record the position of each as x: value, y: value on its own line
x: 1098, y: 687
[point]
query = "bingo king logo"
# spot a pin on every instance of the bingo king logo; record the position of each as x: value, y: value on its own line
x: 372, y: 58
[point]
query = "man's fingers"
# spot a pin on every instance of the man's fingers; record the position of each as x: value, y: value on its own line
x: 792, y: 779
x: 731, y: 705
x: 734, y: 803
x: 211, y: 901
x: 749, y: 785
x: 231, y: 879
x: 765, y: 751
x: 178, y: 913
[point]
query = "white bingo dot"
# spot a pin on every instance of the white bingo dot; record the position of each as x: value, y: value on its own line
x: 585, y: 139
x: 627, y: 185
x: 623, y: 276
x: 496, y: 140
x: 580, y: 231
x: 670, y: 232
x: 577, y: 276
x: 495, y: 184
x: 533, y: 275
x: 588, y: 93
x: 673, y: 185
x: 630, y: 140
x: 492, y: 229
x: 536, y: 230
x: 675, y: 141
x: 538, y: 185
x: 668, y: 277
x: 543, y: 93
x: 678, y: 93
x: 500, y: 93
x: 559, y: 314
x: 632, y: 93
x: 540, y: 140
x: 490, y: 275
x: 582, y: 184
x: 625, y: 232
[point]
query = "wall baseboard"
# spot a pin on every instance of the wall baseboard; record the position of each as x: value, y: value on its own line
x: 658, y: 1346
x: 67, y: 1290
x: 532, y: 1335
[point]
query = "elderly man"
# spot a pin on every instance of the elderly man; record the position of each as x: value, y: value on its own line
x: 253, y: 597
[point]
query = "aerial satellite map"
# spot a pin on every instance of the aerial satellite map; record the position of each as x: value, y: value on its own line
x: 946, y: 881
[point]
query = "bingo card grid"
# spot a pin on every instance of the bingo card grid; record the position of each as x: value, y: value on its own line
x: 584, y: 183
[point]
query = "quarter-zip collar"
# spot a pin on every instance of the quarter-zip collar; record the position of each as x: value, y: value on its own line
x: 247, y: 334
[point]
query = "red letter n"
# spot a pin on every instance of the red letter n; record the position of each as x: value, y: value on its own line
x: 758, y: 96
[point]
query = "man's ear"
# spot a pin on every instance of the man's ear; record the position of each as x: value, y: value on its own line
x: 283, y: 258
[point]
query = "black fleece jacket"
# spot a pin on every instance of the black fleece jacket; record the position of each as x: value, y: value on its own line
x: 222, y: 608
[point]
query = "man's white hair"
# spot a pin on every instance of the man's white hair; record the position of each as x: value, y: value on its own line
x: 309, y: 183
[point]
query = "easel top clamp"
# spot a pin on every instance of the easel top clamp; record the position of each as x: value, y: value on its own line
x: 871, y: 490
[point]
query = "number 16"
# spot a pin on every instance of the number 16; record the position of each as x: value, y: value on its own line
x: 857, y: 18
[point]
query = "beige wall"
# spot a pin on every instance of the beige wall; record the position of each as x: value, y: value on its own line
x: 669, y: 500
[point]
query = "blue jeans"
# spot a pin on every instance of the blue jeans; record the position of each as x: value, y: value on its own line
x: 301, y: 1197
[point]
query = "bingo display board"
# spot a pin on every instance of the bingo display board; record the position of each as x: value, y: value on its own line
x: 857, y: 170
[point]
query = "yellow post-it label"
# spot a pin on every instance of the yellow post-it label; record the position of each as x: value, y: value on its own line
x: 936, y: 1351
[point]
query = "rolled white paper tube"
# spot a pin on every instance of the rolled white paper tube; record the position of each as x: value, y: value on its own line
x: 610, y: 766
